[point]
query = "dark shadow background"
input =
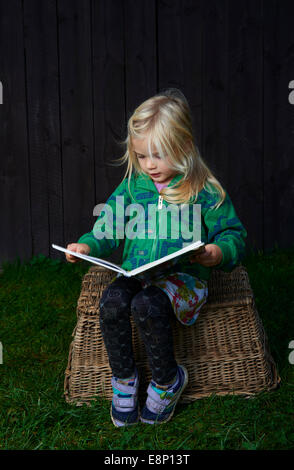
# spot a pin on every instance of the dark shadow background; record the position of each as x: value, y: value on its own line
x: 73, y: 72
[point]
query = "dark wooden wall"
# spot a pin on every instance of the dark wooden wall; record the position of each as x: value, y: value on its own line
x: 74, y: 70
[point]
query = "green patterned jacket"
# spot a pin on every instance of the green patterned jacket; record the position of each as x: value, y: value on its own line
x: 144, y: 242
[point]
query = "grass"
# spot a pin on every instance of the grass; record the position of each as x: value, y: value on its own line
x: 38, y: 314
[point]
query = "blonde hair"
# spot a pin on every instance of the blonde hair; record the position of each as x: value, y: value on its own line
x: 165, y: 119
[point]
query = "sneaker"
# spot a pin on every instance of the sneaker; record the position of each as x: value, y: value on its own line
x: 160, y: 404
x: 124, y: 409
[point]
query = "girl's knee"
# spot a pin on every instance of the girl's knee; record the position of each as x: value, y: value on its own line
x: 113, y: 302
x: 151, y: 302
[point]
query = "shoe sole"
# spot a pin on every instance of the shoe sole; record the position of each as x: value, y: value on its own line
x: 172, y: 413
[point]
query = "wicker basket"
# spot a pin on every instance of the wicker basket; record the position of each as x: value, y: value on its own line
x: 225, y: 351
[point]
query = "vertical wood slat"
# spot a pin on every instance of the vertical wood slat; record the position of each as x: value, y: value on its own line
x: 108, y: 92
x: 192, y: 47
x: 170, y: 45
x: 179, y: 53
x: 75, y: 68
x: 108, y: 23
x: 140, y: 53
x: 44, y: 125
x: 16, y: 236
x: 215, y: 88
x: 278, y: 124
x: 245, y: 159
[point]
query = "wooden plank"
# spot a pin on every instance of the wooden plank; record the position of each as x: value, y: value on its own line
x: 109, y: 23
x: 108, y: 93
x: 141, y: 53
x: 215, y: 88
x: 192, y: 27
x: 179, y: 53
x: 15, y: 233
x: 278, y: 124
x: 244, y: 165
x: 170, y: 57
x: 76, y: 108
x: 44, y: 125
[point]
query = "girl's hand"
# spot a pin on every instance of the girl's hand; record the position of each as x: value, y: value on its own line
x: 212, y: 256
x: 78, y: 248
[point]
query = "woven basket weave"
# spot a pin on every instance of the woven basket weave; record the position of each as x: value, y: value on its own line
x: 225, y: 351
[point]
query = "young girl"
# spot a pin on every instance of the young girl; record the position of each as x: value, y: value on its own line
x: 164, y: 168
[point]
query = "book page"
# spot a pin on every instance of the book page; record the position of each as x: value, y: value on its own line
x: 92, y: 259
x: 170, y: 259
x: 166, y: 260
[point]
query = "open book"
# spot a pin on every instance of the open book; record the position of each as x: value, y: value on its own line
x: 196, y: 246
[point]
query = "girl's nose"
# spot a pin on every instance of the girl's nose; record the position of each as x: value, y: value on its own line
x: 150, y: 163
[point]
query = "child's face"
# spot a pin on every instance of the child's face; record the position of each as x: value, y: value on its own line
x: 157, y: 168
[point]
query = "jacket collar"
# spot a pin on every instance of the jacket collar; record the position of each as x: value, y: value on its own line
x: 145, y: 181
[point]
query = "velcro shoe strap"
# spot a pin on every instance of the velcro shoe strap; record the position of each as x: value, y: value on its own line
x: 154, y: 406
x: 154, y: 402
x: 120, y: 402
x: 128, y: 389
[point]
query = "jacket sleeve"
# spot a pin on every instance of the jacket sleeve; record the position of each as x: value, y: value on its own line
x: 108, y: 230
x: 225, y: 230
